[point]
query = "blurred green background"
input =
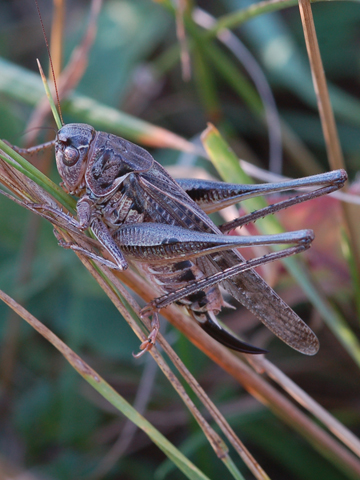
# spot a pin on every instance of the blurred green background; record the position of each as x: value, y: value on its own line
x: 51, y: 423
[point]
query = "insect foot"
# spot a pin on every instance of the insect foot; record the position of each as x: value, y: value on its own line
x: 147, y: 345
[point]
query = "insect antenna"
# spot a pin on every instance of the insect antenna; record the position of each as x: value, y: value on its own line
x: 51, y: 63
x: 39, y: 128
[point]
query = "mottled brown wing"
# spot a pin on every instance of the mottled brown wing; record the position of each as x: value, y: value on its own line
x: 258, y: 297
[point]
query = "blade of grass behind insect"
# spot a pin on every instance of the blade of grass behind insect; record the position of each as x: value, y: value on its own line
x: 233, y: 76
x: 25, y: 86
x: 25, y: 167
x: 106, y: 391
x: 229, y: 168
x: 244, y: 87
x: 205, y: 84
x: 226, y: 68
x: 292, y: 144
x: 50, y: 98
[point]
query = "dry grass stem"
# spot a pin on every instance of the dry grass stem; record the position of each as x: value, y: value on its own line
x: 251, y: 381
x: 181, y: 34
x: 197, y: 389
x: 215, y: 441
x: 213, y: 438
x: 57, y: 34
x: 333, y: 148
x: 262, y: 365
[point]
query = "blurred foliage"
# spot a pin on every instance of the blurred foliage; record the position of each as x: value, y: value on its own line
x: 51, y: 423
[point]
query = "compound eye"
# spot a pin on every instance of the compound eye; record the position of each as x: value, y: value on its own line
x: 71, y: 156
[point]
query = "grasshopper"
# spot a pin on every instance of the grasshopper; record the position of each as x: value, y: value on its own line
x: 142, y: 216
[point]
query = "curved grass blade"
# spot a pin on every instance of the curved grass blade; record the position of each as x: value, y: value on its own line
x: 25, y: 167
x: 50, y: 98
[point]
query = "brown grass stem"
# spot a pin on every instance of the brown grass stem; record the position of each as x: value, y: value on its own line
x: 181, y: 35
x: 253, y: 383
x: 213, y: 438
x: 215, y: 441
x: 333, y: 148
x: 197, y: 389
x: 57, y: 34
x: 262, y: 365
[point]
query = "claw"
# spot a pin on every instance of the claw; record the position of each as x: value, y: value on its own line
x: 147, y: 345
x: 63, y: 244
x: 144, y: 347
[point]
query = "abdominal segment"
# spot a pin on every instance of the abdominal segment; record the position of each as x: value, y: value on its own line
x: 168, y: 278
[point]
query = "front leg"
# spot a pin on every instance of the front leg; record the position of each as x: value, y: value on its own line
x: 84, y: 208
x: 88, y: 218
x: 102, y: 233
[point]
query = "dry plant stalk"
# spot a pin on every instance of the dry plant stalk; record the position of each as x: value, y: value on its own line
x: 57, y: 34
x: 181, y: 35
x: 333, y: 148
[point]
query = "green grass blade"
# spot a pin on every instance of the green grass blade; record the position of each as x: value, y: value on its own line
x: 293, y: 75
x: 234, y: 19
x: 50, y: 98
x: 25, y: 167
x: 205, y: 84
x: 230, y: 465
x: 105, y: 390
